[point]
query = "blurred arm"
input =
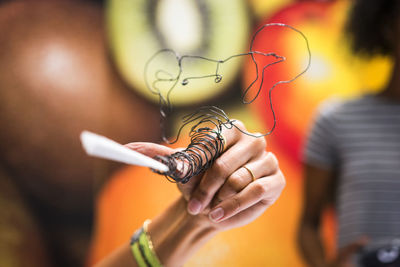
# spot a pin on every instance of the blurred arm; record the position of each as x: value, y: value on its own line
x: 318, y: 192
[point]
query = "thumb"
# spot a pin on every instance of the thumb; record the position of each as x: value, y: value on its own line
x: 346, y: 252
x: 150, y: 149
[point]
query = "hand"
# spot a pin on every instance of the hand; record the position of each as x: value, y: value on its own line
x: 226, y: 192
x: 345, y: 254
x: 227, y: 189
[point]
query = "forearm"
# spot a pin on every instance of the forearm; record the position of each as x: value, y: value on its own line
x: 311, y: 246
x: 175, y: 234
x: 319, y: 189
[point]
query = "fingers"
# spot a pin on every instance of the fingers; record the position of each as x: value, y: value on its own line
x: 264, y: 165
x: 240, y: 150
x: 346, y: 252
x: 264, y: 190
x: 150, y: 149
x: 244, y: 217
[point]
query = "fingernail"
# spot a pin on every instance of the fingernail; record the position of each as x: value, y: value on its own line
x: 216, y: 214
x: 194, y: 206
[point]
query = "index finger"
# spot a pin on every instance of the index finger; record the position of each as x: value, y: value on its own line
x: 150, y: 149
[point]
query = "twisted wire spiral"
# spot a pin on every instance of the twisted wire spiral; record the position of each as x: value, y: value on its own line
x: 206, y: 140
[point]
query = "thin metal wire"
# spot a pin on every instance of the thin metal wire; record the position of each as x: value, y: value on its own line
x: 207, y: 122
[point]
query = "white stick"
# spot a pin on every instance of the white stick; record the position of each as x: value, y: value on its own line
x: 102, y: 147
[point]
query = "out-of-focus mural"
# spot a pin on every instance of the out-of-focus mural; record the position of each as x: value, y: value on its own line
x: 138, y: 29
x: 334, y: 72
x: 56, y: 79
x: 66, y: 66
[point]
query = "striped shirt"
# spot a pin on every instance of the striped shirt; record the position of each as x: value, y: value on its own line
x: 360, y: 140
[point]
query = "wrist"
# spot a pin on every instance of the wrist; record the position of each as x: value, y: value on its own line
x: 185, y: 239
x: 177, y: 235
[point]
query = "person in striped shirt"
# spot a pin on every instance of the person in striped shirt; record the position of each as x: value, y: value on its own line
x: 352, y: 155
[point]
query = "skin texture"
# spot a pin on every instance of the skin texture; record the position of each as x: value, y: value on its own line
x: 320, y: 183
x: 181, y: 230
x: 57, y: 79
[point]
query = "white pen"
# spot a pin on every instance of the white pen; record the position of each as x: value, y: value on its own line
x: 102, y: 147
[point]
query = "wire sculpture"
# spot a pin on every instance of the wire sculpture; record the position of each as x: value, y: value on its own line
x: 207, y: 142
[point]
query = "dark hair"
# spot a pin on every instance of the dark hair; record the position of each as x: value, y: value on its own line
x: 372, y: 25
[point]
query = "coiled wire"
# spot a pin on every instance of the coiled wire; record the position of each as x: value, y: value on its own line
x: 206, y: 140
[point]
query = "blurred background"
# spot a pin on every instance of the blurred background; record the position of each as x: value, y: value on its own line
x: 66, y: 66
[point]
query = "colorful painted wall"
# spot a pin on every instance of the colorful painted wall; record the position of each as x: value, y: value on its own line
x: 135, y: 194
x: 71, y: 65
